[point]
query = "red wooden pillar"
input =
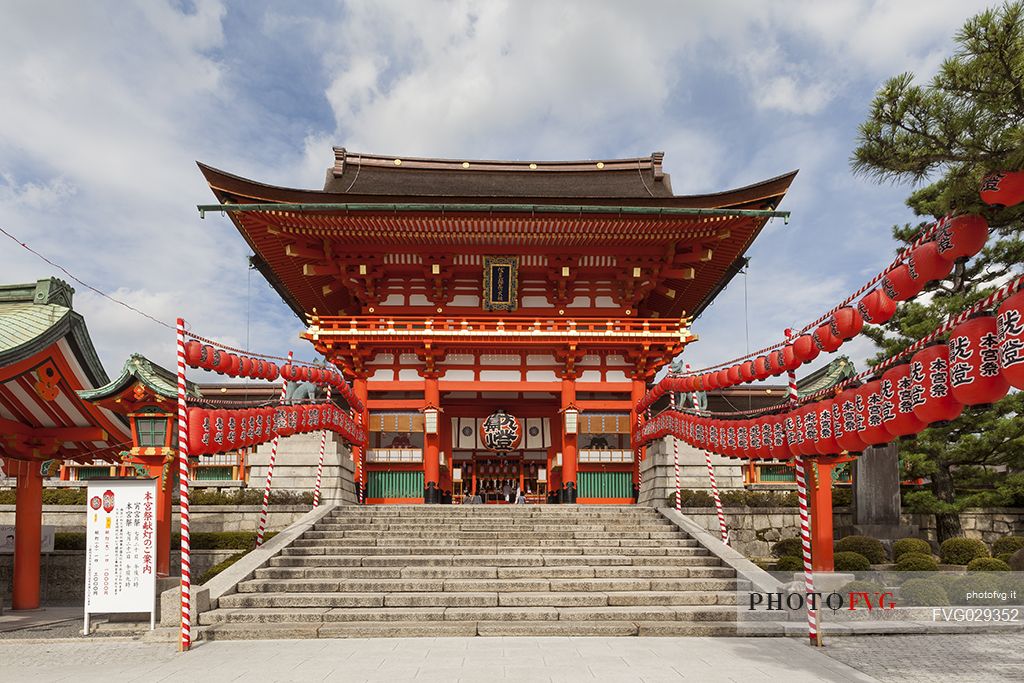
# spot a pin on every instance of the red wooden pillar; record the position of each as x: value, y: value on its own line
x: 28, y: 529
x: 362, y: 392
x: 568, y: 445
x: 431, y: 443
x: 637, y: 391
x: 820, y: 485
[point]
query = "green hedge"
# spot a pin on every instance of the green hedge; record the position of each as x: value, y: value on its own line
x: 219, y: 567
x: 77, y: 496
x: 203, y: 540
x: 923, y: 593
x: 871, y: 548
x: 962, y: 550
x: 910, y: 545
x: 789, y: 563
x: 848, y: 561
x: 788, y: 547
x: 749, y: 499
x: 916, y: 562
x: 1007, y: 545
x: 987, y: 564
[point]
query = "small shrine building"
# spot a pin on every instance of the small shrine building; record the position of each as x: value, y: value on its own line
x: 499, y: 319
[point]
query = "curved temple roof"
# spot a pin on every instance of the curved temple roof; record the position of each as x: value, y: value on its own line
x: 420, y: 205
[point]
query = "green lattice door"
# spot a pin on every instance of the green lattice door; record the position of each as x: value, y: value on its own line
x: 395, y: 484
x: 605, y: 484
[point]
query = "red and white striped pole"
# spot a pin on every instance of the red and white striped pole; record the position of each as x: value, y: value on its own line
x: 320, y: 465
x: 360, y: 470
x: 186, y: 546
x: 722, y: 527
x: 270, y: 470
x: 675, y: 459
x: 805, y: 520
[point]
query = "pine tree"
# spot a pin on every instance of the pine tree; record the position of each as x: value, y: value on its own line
x: 945, y: 135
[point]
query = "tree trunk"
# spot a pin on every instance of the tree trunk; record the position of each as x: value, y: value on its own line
x: 947, y: 524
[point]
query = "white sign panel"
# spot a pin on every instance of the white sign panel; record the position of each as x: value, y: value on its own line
x: 120, y: 563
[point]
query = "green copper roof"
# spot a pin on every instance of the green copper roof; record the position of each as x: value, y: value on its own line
x: 36, y: 315
x: 827, y: 376
x: 138, y: 368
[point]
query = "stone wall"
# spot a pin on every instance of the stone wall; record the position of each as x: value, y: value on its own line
x: 296, y: 464
x: 62, y: 574
x: 659, y: 478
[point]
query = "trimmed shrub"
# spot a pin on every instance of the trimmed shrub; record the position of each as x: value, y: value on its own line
x: 977, y: 583
x: 871, y: 548
x: 1007, y: 545
x: 862, y: 586
x: 789, y: 564
x: 910, y: 545
x: 916, y: 562
x: 69, y: 540
x: 1016, y: 561
x: 962, y: 550
x: 848, y: 561
x: 1005, y: 557
x: 788, y: 547
x: 746, y: 499
x: 987, y: 564
x: 222, y: 540
x: 219, y: 567
x: 923, y: 593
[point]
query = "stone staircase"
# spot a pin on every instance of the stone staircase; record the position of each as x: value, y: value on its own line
x: 483, y: 570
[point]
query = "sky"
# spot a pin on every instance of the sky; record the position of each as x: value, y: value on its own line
x: 108, y: 105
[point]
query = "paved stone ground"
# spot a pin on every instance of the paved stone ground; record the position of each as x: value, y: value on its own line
x: 985, y: 658
x: 394, y: 660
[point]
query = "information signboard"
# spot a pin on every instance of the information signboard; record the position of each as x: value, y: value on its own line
x: 120, y: 563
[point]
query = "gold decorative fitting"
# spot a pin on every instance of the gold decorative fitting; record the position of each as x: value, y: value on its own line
x: 533, y: 167
x: 398, y: 162
x: 629, y: 312
x: 435, y: 268
x: 561, y: 311
x: 600, y: 164
x: 362, y: 269
x: 565, y: 271
x: 370, y: 309
x: 223, y: 390
x: 465, y: 164
x: 637, y: 271
x: 438, y: 309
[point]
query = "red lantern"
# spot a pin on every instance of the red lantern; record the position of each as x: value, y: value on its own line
x: 876, y: 307
x: 846, y: 323
x: 825, y: 444
x: 761, y: 369
x: 824, y: 340
x: 931, y: 392
x: 900, y: 285
x: 747, y: 371
x: 1003, y: 188
x: 270, y: 373
x: 199, y: 431
x: 779, y: 445
x: 974, y: 362
x: 233, y: 365
x: 873, y: 409
x: 288, y: 372
x: 1010, y: 331
x: 928, y: 263
x: 962, y: 237
x: 848, y: 422
x: 314, y: 375
x: 804, y: 349
x: 219, y: 422
x: 193, y: 352
x: 244, y: 366
x: 902, y: 398
x: 733, y: 373
x: 209, y: 357
x: 268, y: 422
x: 807, y: 429
x: 766, y: 437
x: 222, y: 361
x: 723, y: 378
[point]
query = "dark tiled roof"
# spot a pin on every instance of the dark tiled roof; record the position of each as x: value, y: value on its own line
x: 138, y: 368
x: 371, y: 174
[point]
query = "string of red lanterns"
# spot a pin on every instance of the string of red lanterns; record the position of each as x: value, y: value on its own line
x: 976, y: 366
x: 225, y: 362
x: 930, y: 258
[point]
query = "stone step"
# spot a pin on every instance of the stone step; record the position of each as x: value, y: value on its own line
x: 481, y: 614
x: 295, y: 600
x: 317, y: 547
x: 525, y: 536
